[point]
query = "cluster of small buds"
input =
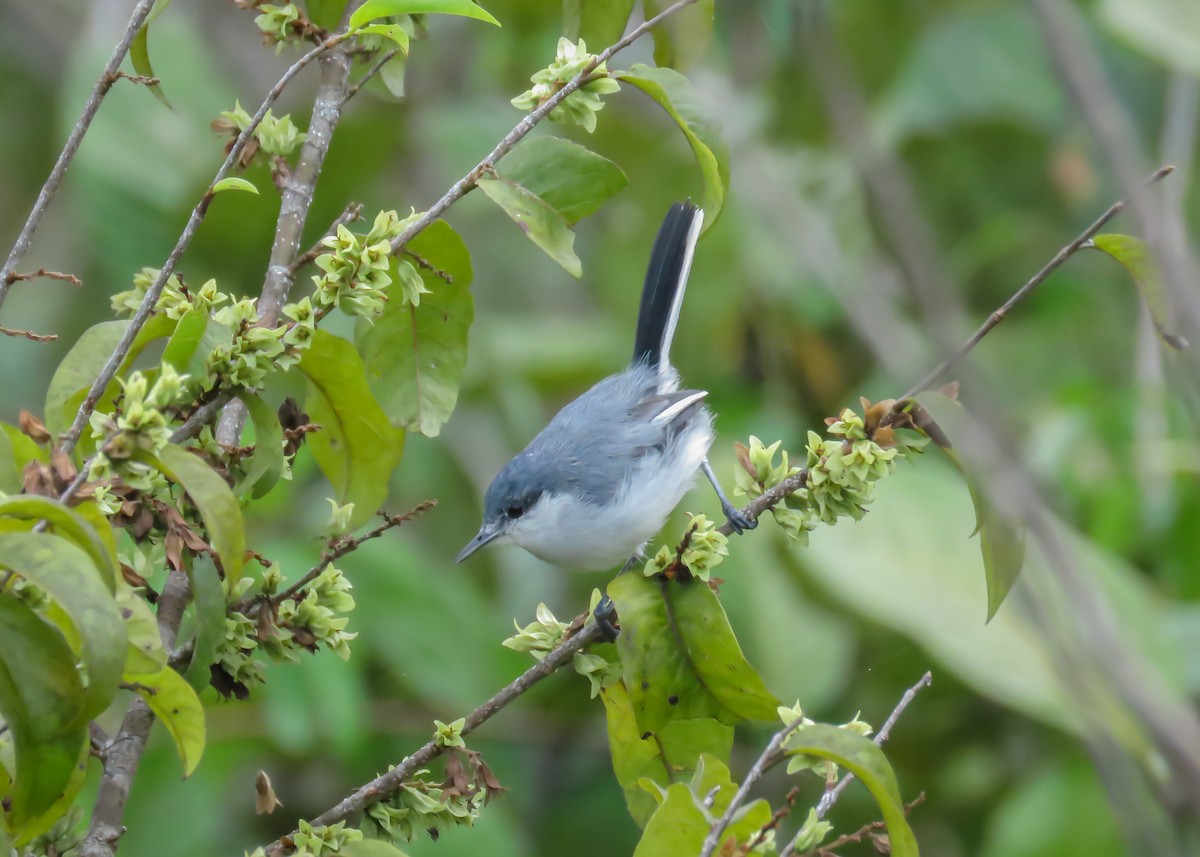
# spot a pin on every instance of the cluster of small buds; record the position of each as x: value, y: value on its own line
x: 252, y: 354
x: 276, y: 135
x: 322, y: 611
x: 139, y: 423
x: 278, y: 22
x: 356, y: 273
x: 797, y: 761
x: 419, y: 807
x: 706, y: 548
x: 582, y: 105
x: 323, y: 839
x: 175, y: 299
x: 811, y: 834
x: 542, y: 636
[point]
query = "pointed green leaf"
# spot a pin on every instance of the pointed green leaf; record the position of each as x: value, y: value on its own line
x: 375, y: 9
x: 211, y: 496
x: 570, y: 178
x: 264, y: 467
x: 325, y: 13
x: 24, y: 449
x: 394, y: 32
x: 674, y: 94
x: 543, y: 225
x: 184, y: 342
x: 37, y: 826
x: 684, y: 37
x: 145, y: 652
x: 208, y: 604
x: 1001, y: 540
x: 678, y: 826
x: 139, y: 56
x: 235, y: 183
x: 69, y: 577
x: 866, y: 761
x: 174, y: 703
x: 415, y: 356
x: 598, y: 22
x: 1134, y: 257
x: 41, y: 700
x: 72, y: 525
x: 357, y: 448
x: 392, y: 75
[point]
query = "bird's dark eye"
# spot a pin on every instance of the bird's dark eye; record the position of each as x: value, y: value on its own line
x: 514, y: 511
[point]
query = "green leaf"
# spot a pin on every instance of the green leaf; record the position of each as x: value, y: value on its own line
x: 139, y: 51
x: 145, y: 653
x: 570, y: 178
x: 415, y: 356
x: 684, y: 37
x: 1134, y: 257
x: 234, y: 183
x: 674, y: 93
x: 678, y: 826
x: 598, y: 22
x: 357, y: 448
x: 174, y: 703
x: 1001, y: 540
x: 41, y: 700
x: 208, y: 601
x: 866, y: 761
x: 264, y: 467
x: 374, y: 9
x: 10, y: 473
x: 72, y: 525
x: 669, y: 756
x: 371, y: 848
x: 69, y: 577
x: 543, y: 225
x: 210, y: 495
x: 680, y: 658
x: 325, y: 13
x: 35, y: 827
x: 389, y: 31
x: 1168, y: 30
x: 23, y: 446
x: 184, y: 342
x: 392, y: 75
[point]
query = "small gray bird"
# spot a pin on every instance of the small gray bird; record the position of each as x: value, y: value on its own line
x: 601, y: 478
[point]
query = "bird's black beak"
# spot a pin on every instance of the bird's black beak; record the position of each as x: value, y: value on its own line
x: 489, y: 532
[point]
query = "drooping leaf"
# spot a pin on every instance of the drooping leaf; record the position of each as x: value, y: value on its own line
x: 357, y: 448
x: 598, y: 22
x: 69, y: 577
x: 325, y: 13
x: 1001, y: 539
x: 684, y: 37
x: 70, y: 524
x: 41, y: 700
x: 1135, y: 258
x: 218, y: 507
x: 669, y: 756
x: 261, y: 471
x: 89, y: 511
x: 185, y: 341
x: 23, y: 446
x: 394, y: 32
x: 375, y: 9
x: 174, y: 703
x: 145, y: 653
x: 415, y: 356
x: 235, y: 183
x: 139, y: 50
x: 866, y: 761
x: 570, y: 178
x: 392, y: 74
x: 674, y: 94
x: 543, y: 225
x: 208, y: 603
x: 35, y: 827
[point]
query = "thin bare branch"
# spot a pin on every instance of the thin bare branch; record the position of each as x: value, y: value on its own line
x: 855, y: 837
x: 14, y: 277
x: 54, y: 180
x: 28, y: 334
x: 371, y: 72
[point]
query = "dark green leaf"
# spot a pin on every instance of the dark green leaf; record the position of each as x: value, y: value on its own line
x: 10, y: 473
x: 684, y: 37
x: 174, y: 703
x: 415, y: 356
x: 674, y: 94
x: 357, y: 447
x: 145, y: 653
x: 210, y: 495
x: 70, y: 524
x: 35, y: 827
x: 139, y: 53
x: 1134, y: 257
x: 1001, y: 539
x: 325, y: 13
x: 68, y: 576
x: 208, y: 602
x: 374, y: 9
x: 570, y: 178
x: 598, y: 22
x: 41, y: 699
x: 543, y: 225
x: 265, y: 465
x: 866, y: 761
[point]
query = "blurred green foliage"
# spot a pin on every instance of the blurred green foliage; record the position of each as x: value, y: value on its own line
x: 791, y: 291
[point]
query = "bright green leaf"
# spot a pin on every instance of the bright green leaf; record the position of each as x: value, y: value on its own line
x: 1134, y: 257
x: 41, y: 700
x: 70, y: 524
x: 674, y: 93
x: 263, y: 468
x: 392, y: 74
x: 174, y: 703
x: 371, y: 848
x: 139, y: 51
x: 684, y: 37
x: 145, y: 652
x: 69, y: 577
x: 218, y: 507
x: 415, y: 356
x: 598, y: 22
x: 208, y: 602
x: 375, y: 9
x: 234, y: 183
x: 23, y: 446
x: 866, y: 761
x: 35, y: 827
x: 325, y: 13
x: 357, y: 448
x: 10, y: 474
x: 570, y: 178
x: 678, y: 826
x: 543, y: 225
x: 389, y: 31
x: 184, y: 342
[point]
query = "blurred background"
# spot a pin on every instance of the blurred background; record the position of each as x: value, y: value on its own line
x: 899, y: 167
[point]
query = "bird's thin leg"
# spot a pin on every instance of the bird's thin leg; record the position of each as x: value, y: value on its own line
x: 605, y: 613
x: 737, y: 520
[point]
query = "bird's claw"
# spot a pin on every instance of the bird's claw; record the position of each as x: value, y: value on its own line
x: 737, y: 520
x: 605, y: 615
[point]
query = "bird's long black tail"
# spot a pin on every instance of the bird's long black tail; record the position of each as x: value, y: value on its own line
x: 666, y: 280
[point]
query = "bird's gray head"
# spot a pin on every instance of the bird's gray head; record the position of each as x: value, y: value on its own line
x: 514, y: 492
